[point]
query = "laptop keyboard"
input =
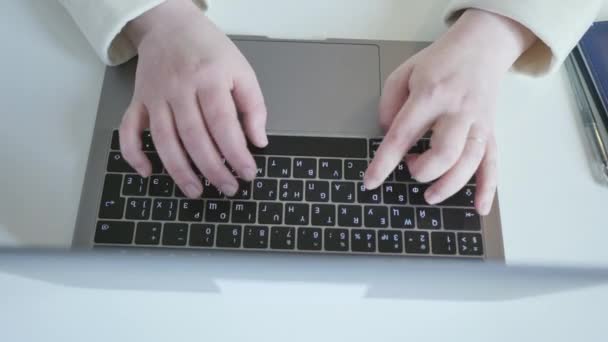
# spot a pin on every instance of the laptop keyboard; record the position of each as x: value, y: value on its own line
x: 308, y: 196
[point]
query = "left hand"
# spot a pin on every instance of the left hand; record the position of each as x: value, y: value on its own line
x: 451, y: 88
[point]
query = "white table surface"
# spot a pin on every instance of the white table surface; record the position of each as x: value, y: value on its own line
x: 552, y: 210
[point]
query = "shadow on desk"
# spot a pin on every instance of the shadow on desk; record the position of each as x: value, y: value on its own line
x: 378, y: 277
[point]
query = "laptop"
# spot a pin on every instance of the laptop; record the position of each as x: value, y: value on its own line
x: 308, y: 197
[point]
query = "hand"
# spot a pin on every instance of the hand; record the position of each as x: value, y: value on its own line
x: 451, y: 88
x: 190, y: 81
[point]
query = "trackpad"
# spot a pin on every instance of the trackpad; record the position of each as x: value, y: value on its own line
x: 319, y: 88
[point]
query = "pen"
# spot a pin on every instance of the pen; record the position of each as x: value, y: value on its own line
x: 589, y: 121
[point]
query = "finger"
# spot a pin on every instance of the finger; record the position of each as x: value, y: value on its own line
x: 410, y: 158
x: 170, y: 150
x: 394, y: 95
x: 487, y: 178
x: 222, y: 122
x: 133, y: 123
x: 250, y: 102
x: 199, y: 145
x: 447, y: 143
x: 410, y: 124
x: 458, y: 176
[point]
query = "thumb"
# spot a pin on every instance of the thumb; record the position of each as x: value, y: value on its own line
x: 249, y: 101
x: 394, y: 94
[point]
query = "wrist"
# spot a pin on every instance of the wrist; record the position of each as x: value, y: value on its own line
x: 497, y: 38
x: 159, y: 18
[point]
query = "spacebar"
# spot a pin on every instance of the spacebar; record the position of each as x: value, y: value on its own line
x: 310, y: 146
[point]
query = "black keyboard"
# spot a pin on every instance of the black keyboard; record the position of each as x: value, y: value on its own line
x: 308, y: 197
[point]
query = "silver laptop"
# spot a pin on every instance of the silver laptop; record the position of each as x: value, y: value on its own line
x: 308, y: 197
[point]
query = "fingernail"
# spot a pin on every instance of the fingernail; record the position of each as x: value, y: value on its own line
x: 249, y: 173
x: 431, y: 197
x: 367, y: 182
x: 229, y: 189
x: 192, y: 190
x: 264, y: 140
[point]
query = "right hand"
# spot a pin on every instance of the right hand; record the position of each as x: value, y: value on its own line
x: 190, y: 82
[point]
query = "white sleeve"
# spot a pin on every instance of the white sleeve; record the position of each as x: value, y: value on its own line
x: 559, y: 25
x: 102, y: 22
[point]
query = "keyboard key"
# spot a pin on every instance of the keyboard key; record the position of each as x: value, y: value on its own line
x: 112, y: 185
x: 285, y: 145
x: 463, y: 198
x: 260, y: 163
x: 310, y: 239
x: 323, y: 215
x: 244, y: 212
x: 443, y: 243
x: 114, y: 232
x: 202, y: 235
x: 134, y: 185
x: 138, y: 208
x: 368, y: 196
x: 157, y: 164
x: 244, y: 192
x: 330, y: 168
x: 148, y: 233
x: 291, y: 190
x: 270, y: 213
x: 112, y: 205
x: 343, y: 192
x: 161, y: 186
x: 402, y: 217
x: 265, y: 189
x: 255, y: 237
x: 116, y: 163
x: 354, y: 169
x: 175, y: 234
x: 228, y: 236
x: 115, y: 141
x: 416, y: 242
x: 217, y: 211
x: 390, y: 241
x: 210, y: 191
x: 402, y: 174
x: 375, y: 216
x: 373, y: 146
x: 394, y: 193
x: 363, y: 240
x: 282, y: 238
x: 470, y: 244
x: 336, y: 239
x: 147, y: 144
x: 164, y: 210
x: 416, y: 193
x: 304, y: 168
x: 179, y: 193
x: 296, y: 214
x: 279, y: 167
x: 317, y: 191
x: 349, y: 216
x: 461, y: 219
x: 191, y: 210
x: 428, y: 218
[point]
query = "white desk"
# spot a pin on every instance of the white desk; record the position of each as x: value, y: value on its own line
x: 552, y: 210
